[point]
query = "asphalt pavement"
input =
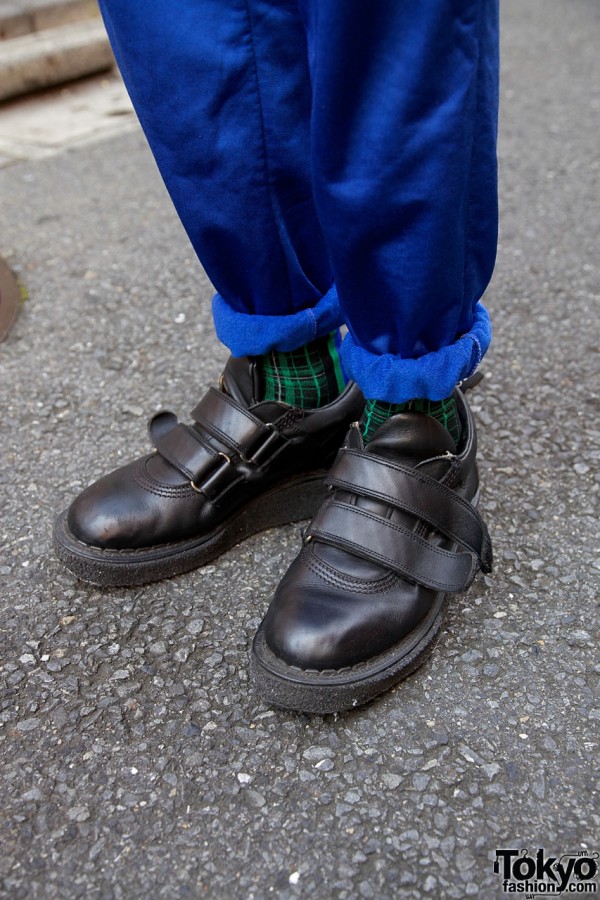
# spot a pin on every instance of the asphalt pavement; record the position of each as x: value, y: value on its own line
x: 136, y: 760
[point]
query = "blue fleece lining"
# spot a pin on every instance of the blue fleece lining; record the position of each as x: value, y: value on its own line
x: 253, y: 335
x: 432, y: 376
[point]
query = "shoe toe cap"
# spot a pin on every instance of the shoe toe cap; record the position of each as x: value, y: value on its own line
x: 109, y: 514
x: 315, y: 626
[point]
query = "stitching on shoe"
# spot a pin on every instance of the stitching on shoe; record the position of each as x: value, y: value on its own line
x: 449, y: 480
x: 388, y: 563
x: 145, y: 481
x: 330, y: 673
x: 130, y: 551
x: 410, y: 535
x: 330, y: 575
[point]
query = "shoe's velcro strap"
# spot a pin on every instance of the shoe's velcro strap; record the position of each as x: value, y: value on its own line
x: 416, y: 493
x: 372, y: 537
x: 232, y: 425
x: 181, y: 446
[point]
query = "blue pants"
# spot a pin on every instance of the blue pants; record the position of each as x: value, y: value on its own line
x: 332, y: 161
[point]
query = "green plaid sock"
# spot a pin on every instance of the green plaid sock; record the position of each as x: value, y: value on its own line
x: 376, y: 412
x: 308, y: 377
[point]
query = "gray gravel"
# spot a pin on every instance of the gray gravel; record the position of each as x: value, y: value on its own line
x: 136, y: 760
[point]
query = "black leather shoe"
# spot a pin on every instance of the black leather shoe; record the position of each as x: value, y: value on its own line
x: 363, y: 603
x: 241, y: 467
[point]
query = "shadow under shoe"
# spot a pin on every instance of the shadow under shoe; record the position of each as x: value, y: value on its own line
x: 240, y: 467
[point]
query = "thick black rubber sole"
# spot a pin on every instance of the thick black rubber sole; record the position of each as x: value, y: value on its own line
x: 288, y: 687
x: 292, y: 501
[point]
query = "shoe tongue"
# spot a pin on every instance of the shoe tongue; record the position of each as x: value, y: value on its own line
x: 238, y: 380
x: 411, y: 437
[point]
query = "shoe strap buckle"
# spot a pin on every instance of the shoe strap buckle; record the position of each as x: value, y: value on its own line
x: 265, y: 451
x: 207, y: 486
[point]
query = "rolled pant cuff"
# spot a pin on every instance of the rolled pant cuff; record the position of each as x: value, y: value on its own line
x: 432, y: 376
x: 247, y: 334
